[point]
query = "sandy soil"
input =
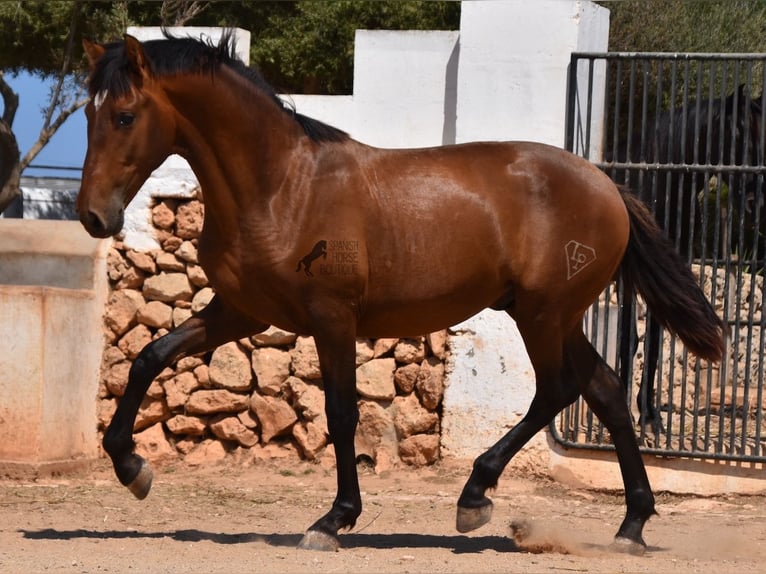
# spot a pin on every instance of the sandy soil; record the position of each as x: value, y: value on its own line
x: 233, y: 519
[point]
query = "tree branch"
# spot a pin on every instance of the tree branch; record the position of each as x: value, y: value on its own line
x: 47, y: 132
x: 10, y: 172
x: 64, y: 67
x: 178, y: 12
x: 10, y: 101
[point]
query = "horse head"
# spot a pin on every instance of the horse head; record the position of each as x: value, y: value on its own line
x: 131, y: 130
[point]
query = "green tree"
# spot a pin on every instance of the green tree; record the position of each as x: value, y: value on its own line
x: 43, y: 38
x: 686, y: 25
x: 308, y: 47
x: 302, y: 47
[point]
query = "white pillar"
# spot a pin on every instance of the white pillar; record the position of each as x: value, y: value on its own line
x: 512, y: 77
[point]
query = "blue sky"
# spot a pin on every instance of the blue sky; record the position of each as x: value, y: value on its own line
x: 66, y: 148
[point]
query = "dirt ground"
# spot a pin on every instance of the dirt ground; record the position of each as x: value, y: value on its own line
x: 233, y: 519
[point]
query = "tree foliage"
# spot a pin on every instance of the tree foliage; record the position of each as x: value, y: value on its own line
x: 308, y: 46
x: 687, y: 25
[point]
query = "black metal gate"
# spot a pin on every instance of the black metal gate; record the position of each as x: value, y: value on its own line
x: 686, y: 133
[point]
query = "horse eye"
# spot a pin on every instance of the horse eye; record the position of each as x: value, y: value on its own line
x: 125, y: 119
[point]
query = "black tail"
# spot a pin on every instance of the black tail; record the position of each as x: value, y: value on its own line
x: 654, y: 269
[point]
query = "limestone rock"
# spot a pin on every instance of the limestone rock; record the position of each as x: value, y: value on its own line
x: 383, y: 347
x: 272, y: 451
x: 375, y: 433
x: 419, y: 449
x: 155, y: 314
x: 189, y: 219
x: 203, y: 375
x: 231, y: 428
x: 187, y: 252
x: 206, y: 452
x: 188, y: 363
x: 111, y: 356
x: 274, y: 337
x: 163, y: 216
x: 247, y: 419
x: 430, y: 382
x: 180, y: 315
x: 196, y: 275
x: 437, y: 342
x: 305, y: 359
x: 179, y: 388
x: 171, y: 243
x: 405, y: 377
x: 186, y: 425
x: 116, y: 264
x: 134, y: 341
x: 142, y: 261
x: 154, y: 446
x: 168, y: 287
x: 106, y: 410
x: 311, y: 438
x: 375, y: 379
x: 169, y: 262
x: 206, y: 402
x: 271, y: 367
x: 230, y: 368
x: 132, y: 278
x: 121, y: 308
x: 364, y: 351
x: 307, y: 399
x: 201, y: 299
x: 152, y: 411
x: 116, y: 378
x: 411, y: 418
x: 275, y: 416
x: 410, y: 351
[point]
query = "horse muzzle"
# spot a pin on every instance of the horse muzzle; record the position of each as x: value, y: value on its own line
x: 102, y: 225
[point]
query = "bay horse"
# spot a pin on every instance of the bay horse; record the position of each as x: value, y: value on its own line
x: 438, y: 235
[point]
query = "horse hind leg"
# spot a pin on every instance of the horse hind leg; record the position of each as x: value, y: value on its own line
x: 554, y: 391
x: 604, y: 393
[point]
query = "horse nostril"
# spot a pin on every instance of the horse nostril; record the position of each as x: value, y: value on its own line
x: 95, y: 224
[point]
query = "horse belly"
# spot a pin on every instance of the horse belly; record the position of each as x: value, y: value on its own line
x: 428, y: 299
x: 415, y: 319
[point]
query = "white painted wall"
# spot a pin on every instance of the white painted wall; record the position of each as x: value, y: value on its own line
x: 404, y: 87
x: 502, y: 76
x: 512, y: 78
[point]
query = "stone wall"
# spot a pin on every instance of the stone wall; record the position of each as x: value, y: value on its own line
x: 258, y: 397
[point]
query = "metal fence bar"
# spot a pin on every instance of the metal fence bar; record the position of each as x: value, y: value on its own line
x: 687, y: 133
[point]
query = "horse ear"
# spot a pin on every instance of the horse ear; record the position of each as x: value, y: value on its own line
x: 93, y: 51
x: 136, y: 57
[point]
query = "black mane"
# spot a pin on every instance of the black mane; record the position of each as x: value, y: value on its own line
x: 187, y: 55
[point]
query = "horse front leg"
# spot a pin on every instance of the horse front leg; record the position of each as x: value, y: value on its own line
x: 213, y: 326
x: 337, y: 361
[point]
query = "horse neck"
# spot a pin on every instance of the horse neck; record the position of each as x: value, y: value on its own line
x: 239, y: 144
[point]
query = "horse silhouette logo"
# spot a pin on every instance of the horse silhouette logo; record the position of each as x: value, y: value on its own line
x: 319, y: 250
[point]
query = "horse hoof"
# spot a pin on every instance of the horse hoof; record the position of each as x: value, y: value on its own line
x: 472, y: 518
x: 318, y: 540
x: 142, y: 484
x: 628, y: 546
